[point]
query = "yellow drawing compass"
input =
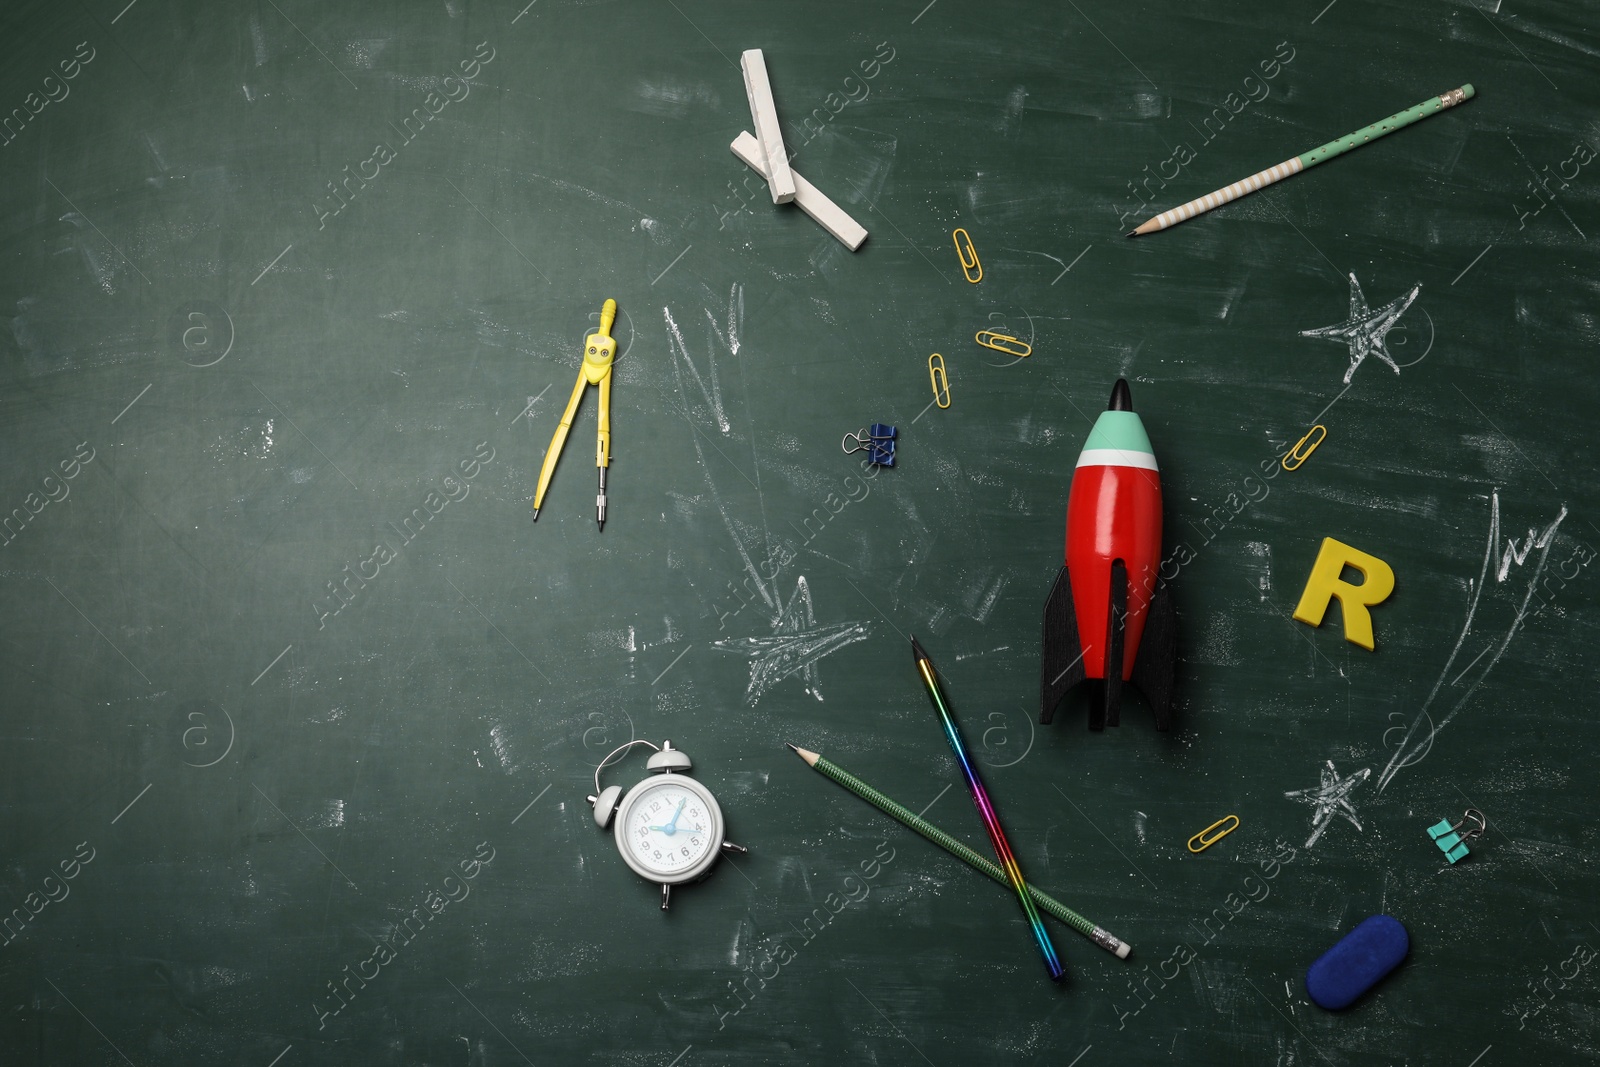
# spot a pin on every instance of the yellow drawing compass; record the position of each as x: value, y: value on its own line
x: 599, y: 349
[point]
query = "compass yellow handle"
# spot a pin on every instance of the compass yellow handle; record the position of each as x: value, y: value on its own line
x: 599, y: 348
x: 558, y: 442
x: 603, y: 442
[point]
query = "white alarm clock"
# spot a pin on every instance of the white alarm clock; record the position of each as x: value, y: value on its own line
x: 668, y: 828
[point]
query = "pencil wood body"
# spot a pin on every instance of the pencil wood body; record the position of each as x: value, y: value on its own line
x: 807, y: 197
x: 1321, y: 154
x: 1198, y: 206
x: 764, y: 113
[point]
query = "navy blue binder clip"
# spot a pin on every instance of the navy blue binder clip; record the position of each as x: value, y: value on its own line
x: 877, y: 442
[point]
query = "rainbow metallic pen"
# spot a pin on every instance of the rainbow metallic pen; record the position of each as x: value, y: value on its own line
x: 991, y: 822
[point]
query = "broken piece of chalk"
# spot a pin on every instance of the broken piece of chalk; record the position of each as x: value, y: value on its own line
x: 807, y: 197
x: 764, y: 113
x: 1358, y: 962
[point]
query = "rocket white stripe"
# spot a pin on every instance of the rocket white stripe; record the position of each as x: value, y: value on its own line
x: 1116, y: 457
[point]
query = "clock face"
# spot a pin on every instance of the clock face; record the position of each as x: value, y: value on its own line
x: 669, y: 829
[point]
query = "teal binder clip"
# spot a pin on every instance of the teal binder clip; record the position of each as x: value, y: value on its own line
x: 1451, y: 841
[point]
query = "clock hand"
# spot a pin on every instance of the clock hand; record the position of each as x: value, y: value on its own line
x: 672, y: 827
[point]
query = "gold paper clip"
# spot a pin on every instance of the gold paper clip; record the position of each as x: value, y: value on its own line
x: 1300, y: 457
x: 968, y: 256
x: 1000, y: 342
x: 940, y: 380
x: 1206, y: 838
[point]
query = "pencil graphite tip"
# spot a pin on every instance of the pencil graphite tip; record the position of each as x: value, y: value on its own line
x: 535, y: 514
x: 917, y: 651
x: 806, y: 754
x: 1131, y: 233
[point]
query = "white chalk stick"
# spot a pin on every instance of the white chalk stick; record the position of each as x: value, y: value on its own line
x: 764, y: 113
x: 807, y: 197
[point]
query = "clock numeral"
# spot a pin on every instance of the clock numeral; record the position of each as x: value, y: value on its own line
x: 658, y: 853
x: 686, y: 850
x: 643, y: 832
x: 655, y: 806
x: 695, y: 841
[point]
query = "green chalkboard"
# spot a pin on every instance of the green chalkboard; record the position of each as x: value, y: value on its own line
x: 301, y: 706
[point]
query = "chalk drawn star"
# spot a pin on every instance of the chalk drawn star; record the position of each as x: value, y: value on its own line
x: 796, y: 645
x: 1364, y: 331
x: 1329, y: 799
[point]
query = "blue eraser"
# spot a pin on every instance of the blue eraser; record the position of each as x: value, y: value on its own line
x: 1358, y: 962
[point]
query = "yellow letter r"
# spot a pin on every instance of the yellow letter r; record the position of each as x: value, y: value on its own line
x: 1354, y: 600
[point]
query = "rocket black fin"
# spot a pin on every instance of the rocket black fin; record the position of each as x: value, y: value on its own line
x: 1109, y: 713
x: 1061, y: 654
x: 1158, y: 656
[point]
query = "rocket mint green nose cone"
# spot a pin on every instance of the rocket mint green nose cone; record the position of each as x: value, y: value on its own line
x: 1118, y: 440
x: 1119, y: 430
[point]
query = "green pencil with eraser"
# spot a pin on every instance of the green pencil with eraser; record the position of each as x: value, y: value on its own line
x: 1261, y: 179
x: 966, y: 855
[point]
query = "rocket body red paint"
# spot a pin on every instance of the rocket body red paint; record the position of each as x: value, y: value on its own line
x: 1108, y: 600
x: 1113, y: 512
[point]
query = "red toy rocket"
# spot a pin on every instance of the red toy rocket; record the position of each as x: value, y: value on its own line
x: 1108, y: 616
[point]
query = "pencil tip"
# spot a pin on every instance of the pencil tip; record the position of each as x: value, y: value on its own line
x: 535, y: 514
x: 1131, y: 233
x: 795, y: 747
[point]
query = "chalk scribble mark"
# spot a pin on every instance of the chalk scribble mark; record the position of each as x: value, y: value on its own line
x: 728, y: 340
x: 1364, y: 331
x: 795, y: 647
x: 1330, y: 798
x: 1418, y: 740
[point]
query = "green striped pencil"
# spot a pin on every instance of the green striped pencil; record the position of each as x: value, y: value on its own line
x: 959, y: 850
x: 1261, y: 179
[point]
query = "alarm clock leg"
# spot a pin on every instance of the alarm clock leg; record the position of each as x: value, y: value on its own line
x: 729, y: 846
x: 666, y: 896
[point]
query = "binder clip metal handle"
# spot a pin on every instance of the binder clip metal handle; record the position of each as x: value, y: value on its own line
x: 877, y: 442
x: 1452, y: 841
